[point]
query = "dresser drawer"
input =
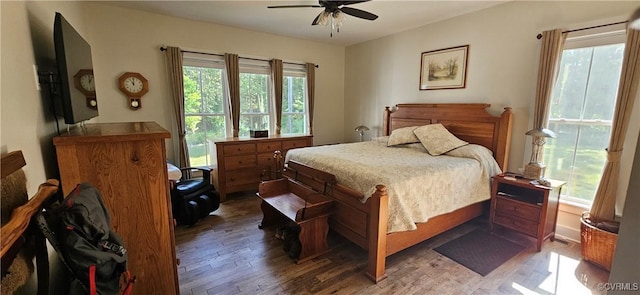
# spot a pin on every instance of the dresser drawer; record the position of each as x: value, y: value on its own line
x: 239, y: 149
x: 243, y: 176
x: 292, y: 144
x: 266, y: 159
x: 521, y: 225
x: 236, y: 162
x: 269, y: 147
x: 510, y: 207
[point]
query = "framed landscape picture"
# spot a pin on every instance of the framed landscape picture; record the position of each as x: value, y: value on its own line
x: 444, y: 68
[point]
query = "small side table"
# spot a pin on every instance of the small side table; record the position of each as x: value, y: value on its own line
x: 525, y: 207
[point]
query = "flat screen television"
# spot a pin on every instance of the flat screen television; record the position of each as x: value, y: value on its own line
x: 76, y: 99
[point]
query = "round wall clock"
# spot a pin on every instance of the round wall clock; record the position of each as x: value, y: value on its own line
x: 84, y: 82
x: 134, y: 86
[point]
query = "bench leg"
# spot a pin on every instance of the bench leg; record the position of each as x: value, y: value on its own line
x: 313, y: 237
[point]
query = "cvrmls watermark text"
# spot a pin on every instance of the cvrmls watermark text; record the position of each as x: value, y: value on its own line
x: 619, y: 286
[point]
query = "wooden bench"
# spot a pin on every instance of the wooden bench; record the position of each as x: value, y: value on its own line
x: 21, y: 227
x: 287, y: 200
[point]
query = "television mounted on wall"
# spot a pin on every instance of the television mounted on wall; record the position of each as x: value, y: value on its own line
x: 76, y: 99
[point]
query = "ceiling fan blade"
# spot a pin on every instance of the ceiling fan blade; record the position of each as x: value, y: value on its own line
x: 315, y: 20
x: 352, y: 2
x: 293, y: 6
x: 358, y: 13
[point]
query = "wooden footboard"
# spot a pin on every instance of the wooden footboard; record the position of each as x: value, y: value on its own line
x: 365, y: 224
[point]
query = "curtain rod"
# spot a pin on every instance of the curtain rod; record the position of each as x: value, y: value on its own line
x: 249, y: 58
x: 539, y: 36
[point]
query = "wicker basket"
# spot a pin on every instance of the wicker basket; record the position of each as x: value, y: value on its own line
x: 598, y: 245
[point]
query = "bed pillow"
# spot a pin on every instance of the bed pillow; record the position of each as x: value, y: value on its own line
x: 402, y: 136
x: 437, y: 139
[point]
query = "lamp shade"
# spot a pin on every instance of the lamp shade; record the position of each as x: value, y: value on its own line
x: 362, y: 128
x: 541, y: 132
x: 634, y: 20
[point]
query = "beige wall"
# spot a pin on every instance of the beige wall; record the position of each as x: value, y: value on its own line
x: 502, y: 70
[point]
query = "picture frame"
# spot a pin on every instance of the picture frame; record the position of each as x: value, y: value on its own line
x: 444, y: 68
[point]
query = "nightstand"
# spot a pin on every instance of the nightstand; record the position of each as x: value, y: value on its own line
x: 521, y: 206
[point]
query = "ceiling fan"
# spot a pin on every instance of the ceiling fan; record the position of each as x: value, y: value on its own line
x: 334, y: 12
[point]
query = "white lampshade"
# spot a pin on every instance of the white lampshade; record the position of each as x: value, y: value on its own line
x: 361, y: 129
x: 541, y: 132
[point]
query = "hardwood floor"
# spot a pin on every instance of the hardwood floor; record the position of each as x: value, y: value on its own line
x: 226, y: 253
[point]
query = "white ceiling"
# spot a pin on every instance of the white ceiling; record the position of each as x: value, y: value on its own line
x: 394, y: 16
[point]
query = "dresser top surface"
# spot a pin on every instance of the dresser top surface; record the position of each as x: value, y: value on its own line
x: 113, y: 131
x: 230, y: 140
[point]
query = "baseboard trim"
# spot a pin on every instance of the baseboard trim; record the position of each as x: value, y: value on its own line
x: 568, y: 233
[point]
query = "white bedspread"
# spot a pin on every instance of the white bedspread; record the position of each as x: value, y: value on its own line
x: 420, y: 186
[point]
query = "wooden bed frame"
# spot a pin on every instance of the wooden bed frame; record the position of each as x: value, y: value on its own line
x: 365, y: 224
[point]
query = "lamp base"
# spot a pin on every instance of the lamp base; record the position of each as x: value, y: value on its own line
x: 534, y: 170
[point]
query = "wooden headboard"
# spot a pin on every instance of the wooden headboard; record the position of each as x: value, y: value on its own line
x: 468, y: 121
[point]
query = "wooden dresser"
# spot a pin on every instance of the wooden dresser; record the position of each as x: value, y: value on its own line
x: 126, y: 162
x: 524, y: 207
x: 244, y: 162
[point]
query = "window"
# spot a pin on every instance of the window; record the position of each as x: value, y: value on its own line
x: 294, y: 100
x: 206, y: 111
x: 581, y: 113
x: 205, y: 106
x: 255, y: 98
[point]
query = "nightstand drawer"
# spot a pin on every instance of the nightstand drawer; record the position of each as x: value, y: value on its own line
x: 518, y: 209
x: 521, y: 225
x: 236, y: 162
x: 239, y: 149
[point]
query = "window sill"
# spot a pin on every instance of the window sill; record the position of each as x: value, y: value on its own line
x: 573, y: 207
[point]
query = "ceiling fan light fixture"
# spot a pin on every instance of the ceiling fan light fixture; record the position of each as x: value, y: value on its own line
x: 338, y: 18
x: 334, y: 12
x: 324, y: 18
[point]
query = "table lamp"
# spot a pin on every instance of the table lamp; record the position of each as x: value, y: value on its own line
x: 361, y: 129
x: 535, y: 169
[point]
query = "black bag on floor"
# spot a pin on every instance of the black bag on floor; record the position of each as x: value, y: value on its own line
x: 79, y: 228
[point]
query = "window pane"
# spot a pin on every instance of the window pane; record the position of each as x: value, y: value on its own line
x: 577, y: 155
x: 192, y: 83
x: 293, y: 124
x: 294, y: 105
x: 200, y: 131
x: 572, y: 81
x: 253, y: 122
x: 559, y: 152
x: 254, y: 93
x: 203, y: 90
x: 293, y: 94
x: 603, y: 82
